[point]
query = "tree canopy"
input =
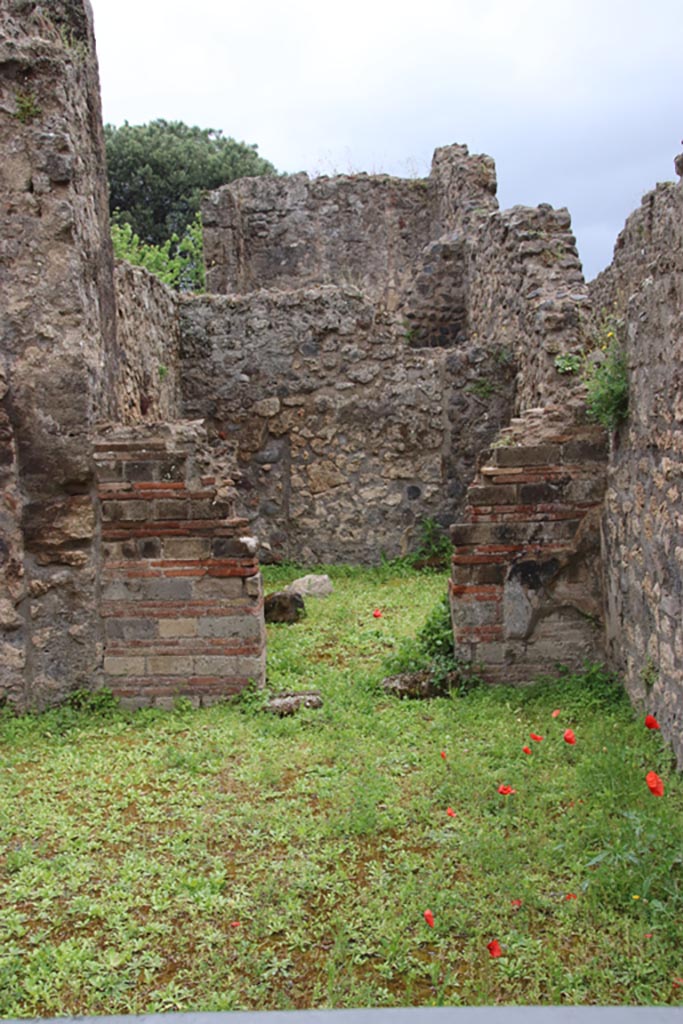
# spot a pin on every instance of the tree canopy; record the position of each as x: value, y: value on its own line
x: 158, y: 171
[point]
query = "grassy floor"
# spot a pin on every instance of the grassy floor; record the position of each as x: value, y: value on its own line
x: 226, y: 859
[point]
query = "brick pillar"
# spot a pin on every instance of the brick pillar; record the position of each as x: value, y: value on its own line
x: 526, y: 580
x: 181, y: 597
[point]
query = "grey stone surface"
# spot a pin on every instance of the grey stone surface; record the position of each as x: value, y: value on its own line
x: 57, y: 346
x: 372, y: 337
x: 643, y: 290
x: 311, y: 586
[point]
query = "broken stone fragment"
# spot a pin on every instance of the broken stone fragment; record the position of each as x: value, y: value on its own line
x: 283, y: 607
x: 287, y: 703
x: 311, y: 586
x: 420, y: 685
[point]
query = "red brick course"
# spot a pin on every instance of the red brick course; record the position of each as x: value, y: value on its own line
x: 535, y: 496
x: 160, y: 632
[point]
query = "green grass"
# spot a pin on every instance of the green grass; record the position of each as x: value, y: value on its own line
x: 226, y: 859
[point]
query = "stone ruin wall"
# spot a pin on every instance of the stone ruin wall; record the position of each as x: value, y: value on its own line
x: 356, y: 374
x: 526, y: 586
x: 643, y: 517
x: 146, y: 383
x: 347, y: 437
x: 74, y: 356
x: 180, y: 599
x: 373, y: 337
x: 57, y: 343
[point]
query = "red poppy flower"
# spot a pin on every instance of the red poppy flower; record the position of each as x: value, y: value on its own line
x: 534, y: 736
x: 555, y: 713
x: 429, y: 918
x: 571, y: 896
x: 377, y: 614
x: 443, y: 754
x: 235, y: 924
x: 527, y: 750
x: 494, y: 948
x: 505, y: 790
x: 655, y: 784
x: 450, y: 812
x: 569, y: 737
x: 651, y: 722
x: 516, y: 903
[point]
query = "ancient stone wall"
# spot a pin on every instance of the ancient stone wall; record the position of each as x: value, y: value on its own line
x: 71, y: 355
x: 643, y: 551
x: 362, y: 231
x: 525, y: 287
x: 526, y: 587
x: 147, y: 334
x: 360, y: 408
x: 181, y: 594
x: 371, y: 339
x: 347, y: 436
x: 57, y: 342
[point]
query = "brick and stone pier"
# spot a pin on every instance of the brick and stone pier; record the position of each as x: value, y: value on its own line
x: 526, y: 587
x: 181, y: 597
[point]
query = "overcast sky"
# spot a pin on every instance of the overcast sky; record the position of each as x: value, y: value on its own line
x: 578, y: 101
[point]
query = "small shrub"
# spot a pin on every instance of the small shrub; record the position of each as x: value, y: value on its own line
x: 27, y: 107
x: 607, y: 379
x: 431, y: 650
x: 482, y: 389
x: 434, y: 547
x: 568, y: 362
x: 251, y: 699
x: 96, y: 702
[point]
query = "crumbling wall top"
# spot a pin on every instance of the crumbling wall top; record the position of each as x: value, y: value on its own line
x: 362, y: 230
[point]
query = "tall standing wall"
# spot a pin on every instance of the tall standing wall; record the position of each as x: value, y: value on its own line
x: 372, y: 336
x: 57, y: 345
x: 643, y: 518
x: 79, y: 345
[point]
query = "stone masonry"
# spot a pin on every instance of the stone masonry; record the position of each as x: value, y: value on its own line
x: 373, y: 336
x: 643, y: 517
x: 373, y: 352
x: 526, y: 587
x: 78, y: 347
x: 57, y: 347
x: 181, y: 595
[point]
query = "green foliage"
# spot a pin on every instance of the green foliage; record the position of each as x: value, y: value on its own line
x: 568, y: 362
x: 93, y: 702
x: 216, y: 860
x: 178, y: 262
x: 431, y: 650
x: 482, y: 389
x: 27, y: 107
x: 607, y: 384
x: 435, y: 637
x: 158, y: 171
x: 434, y: 548
x: 607, y: 378
x: 650, y: 673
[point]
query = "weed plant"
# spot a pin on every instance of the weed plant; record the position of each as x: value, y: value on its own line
x: 226, y: 859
